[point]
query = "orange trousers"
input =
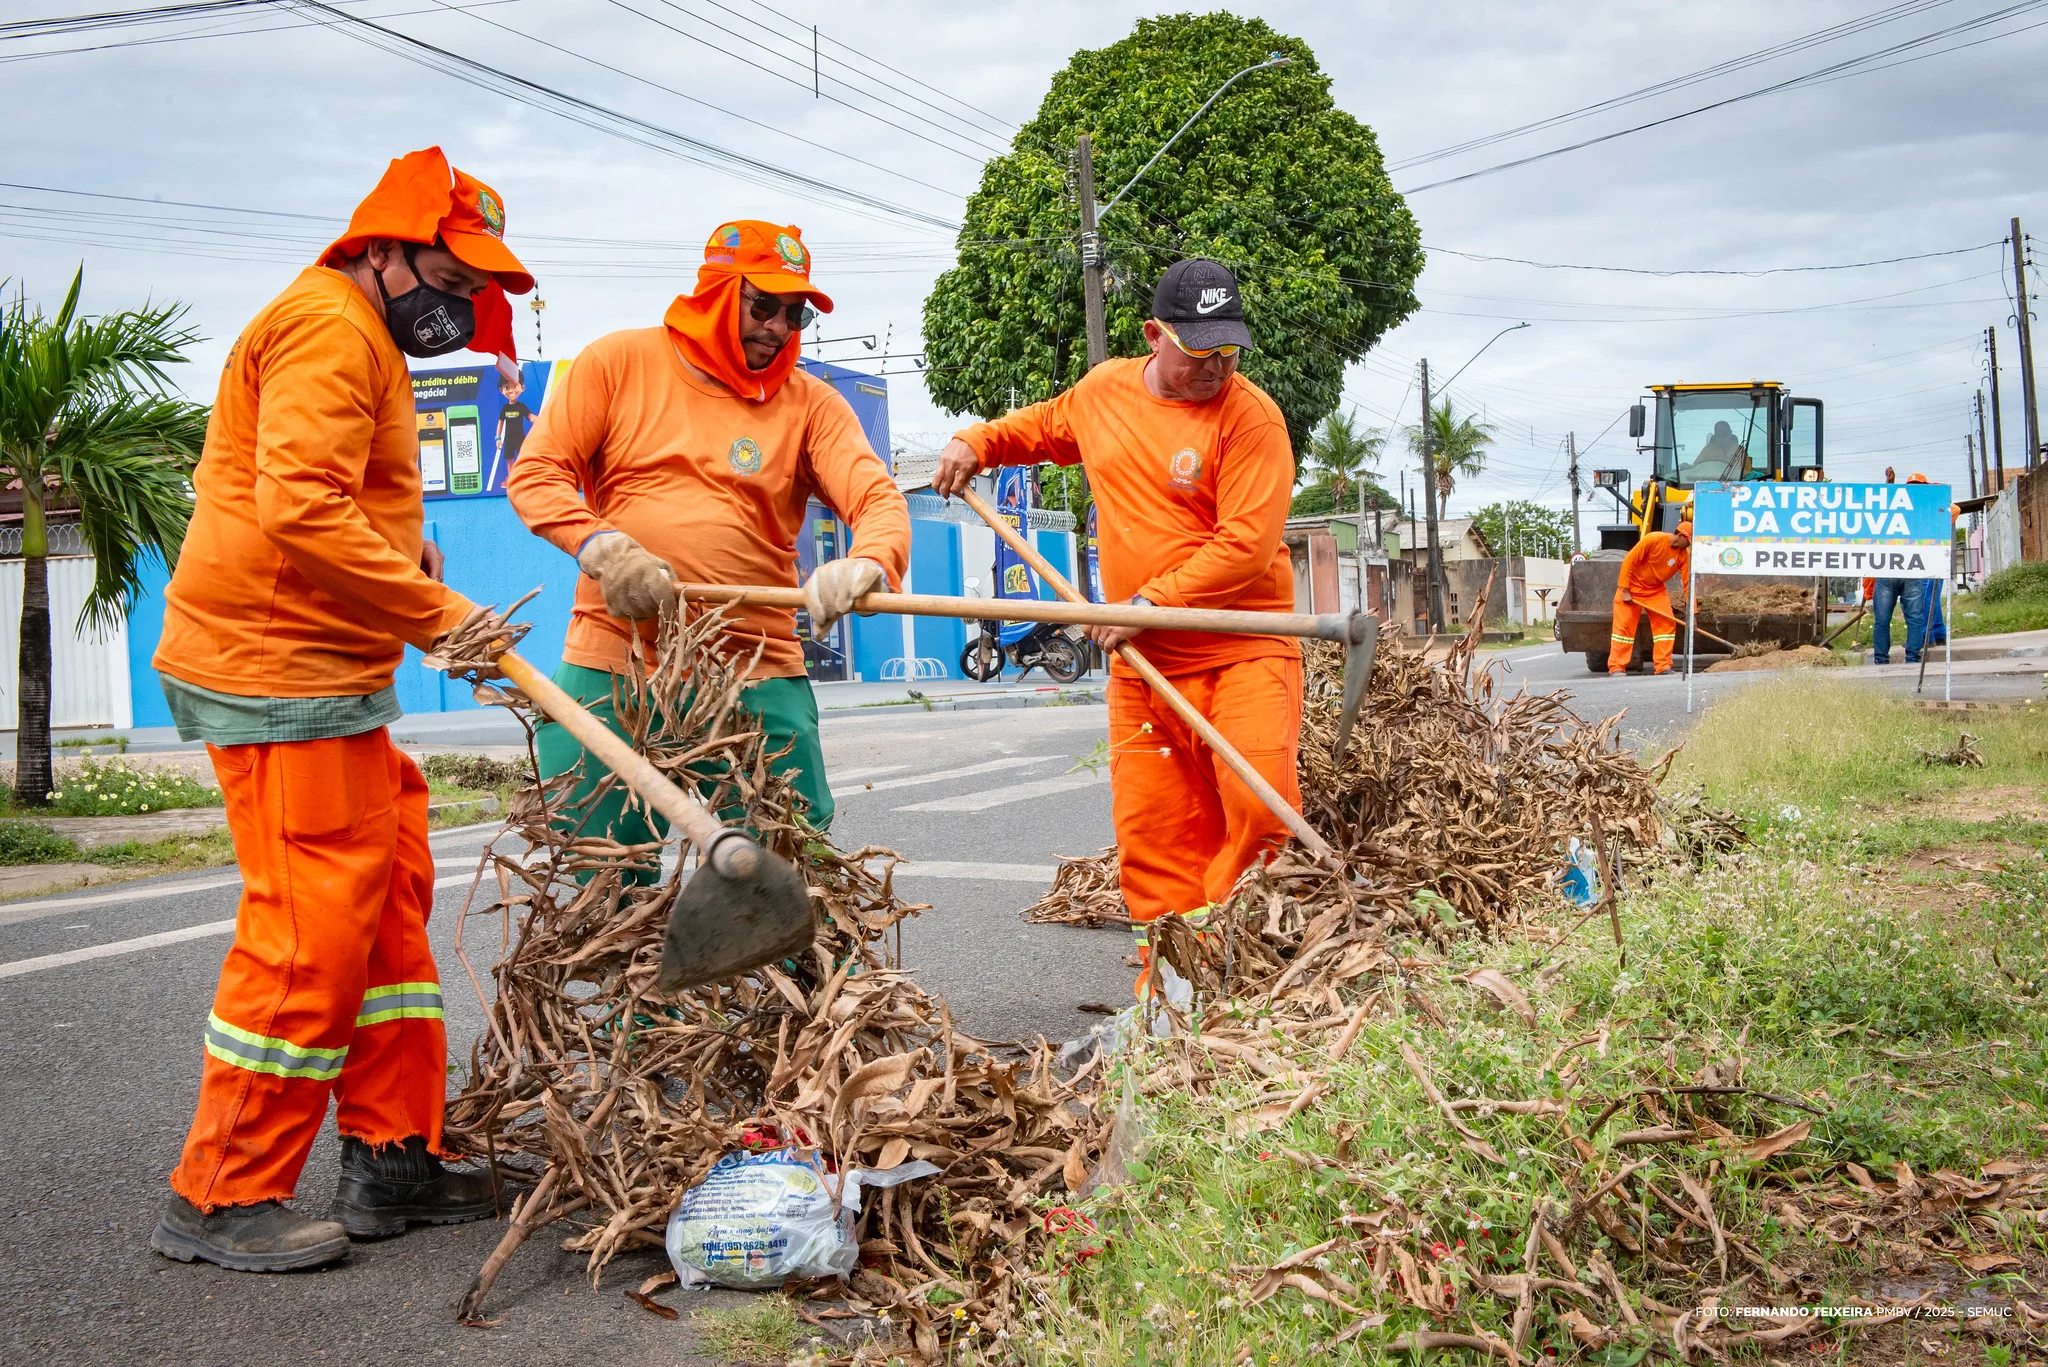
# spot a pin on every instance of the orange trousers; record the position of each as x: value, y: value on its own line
x: 1186, y: 826
x: 1663, y: 631
x: 330, y: 986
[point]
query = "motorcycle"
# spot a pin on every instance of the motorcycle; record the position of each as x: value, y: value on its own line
x: 1061, y: 651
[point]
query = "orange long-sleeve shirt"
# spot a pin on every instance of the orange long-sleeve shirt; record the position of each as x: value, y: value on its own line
x: 1651, y: 563
x: 1191, y: 498
x: 300, y: 574
x: 633, y: 442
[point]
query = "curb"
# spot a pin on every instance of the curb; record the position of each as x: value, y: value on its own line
x: 1048, y: 697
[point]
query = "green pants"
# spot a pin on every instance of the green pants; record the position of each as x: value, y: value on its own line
x: 784, y: 708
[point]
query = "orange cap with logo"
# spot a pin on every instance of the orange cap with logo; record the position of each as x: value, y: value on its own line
x: 423, y: 199
x: 772, y: 258
x: 1916, y: 478
x: 1684, y: 529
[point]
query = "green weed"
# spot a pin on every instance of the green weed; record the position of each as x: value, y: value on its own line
x: 30, y: 842
x: 761, y: 1331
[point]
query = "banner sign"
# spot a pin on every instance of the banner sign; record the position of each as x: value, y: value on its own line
x: 1886, y: 531
x: 472, y: 423
x: 1014, y: 578
x: 1092, y: 585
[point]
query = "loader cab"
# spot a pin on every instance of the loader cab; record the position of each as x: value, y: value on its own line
x: 1728, y: 433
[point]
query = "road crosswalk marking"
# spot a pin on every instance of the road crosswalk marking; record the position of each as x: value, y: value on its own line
x: 997, y: 797
x: 990, y: 766
x: 989, y: 873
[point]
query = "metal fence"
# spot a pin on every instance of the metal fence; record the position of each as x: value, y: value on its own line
x: 88, y: 672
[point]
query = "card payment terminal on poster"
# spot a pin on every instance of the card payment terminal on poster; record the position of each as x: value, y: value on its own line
x: 465, y: 449
x: 433, y: 428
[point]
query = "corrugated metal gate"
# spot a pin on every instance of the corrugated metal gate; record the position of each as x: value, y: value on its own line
x: 88, y: 674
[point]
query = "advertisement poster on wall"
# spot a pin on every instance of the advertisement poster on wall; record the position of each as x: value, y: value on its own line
x: 1014, y: 578
x: 472, y: 423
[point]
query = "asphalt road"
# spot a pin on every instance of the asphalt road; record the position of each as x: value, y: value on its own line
x: 103, y: 995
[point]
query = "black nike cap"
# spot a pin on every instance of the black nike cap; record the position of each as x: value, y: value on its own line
x: 1199, y: 300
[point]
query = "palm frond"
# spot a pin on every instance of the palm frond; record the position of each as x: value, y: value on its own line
x: 128, y: 464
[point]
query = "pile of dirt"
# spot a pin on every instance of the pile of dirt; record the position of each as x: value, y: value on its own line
x: 1756, y: 598
x: 1799, y: 657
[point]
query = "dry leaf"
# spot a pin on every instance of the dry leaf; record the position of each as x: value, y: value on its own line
x: 1990, y: 1262
x: 1771, y: 1145
x: 1503, y: 990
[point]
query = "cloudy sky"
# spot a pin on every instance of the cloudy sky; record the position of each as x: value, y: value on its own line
x: 1923, y: 147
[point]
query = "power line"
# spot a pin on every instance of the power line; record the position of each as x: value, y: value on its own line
x: 1851, y: 66
x: 1680, y: 271
x: 1000, y: 122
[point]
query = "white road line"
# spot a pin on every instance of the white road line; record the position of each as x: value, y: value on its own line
x: 145, y: 942
x: 856, y: 775
x: 997, y: 797
x: 941, y: 775
x: 991, y: 873
x: 14, y: 913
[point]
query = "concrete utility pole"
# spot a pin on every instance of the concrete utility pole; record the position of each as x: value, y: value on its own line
x: 1091, y: 253
x: 2026, y: 331
x: 1983, y: 447
x: 1436, y: 561
x: 1997, y: 424
x: 1970, y: 459
x: 1571, y: 441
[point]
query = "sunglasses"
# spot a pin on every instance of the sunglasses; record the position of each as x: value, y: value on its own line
x: 766, y: 306
x: 1227, y: 349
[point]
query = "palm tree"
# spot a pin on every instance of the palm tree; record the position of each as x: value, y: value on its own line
x: 87, y: 422
x: 1457, y: 446
x: 1341, y: 454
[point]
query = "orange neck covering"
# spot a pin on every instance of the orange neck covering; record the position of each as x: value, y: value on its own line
x: 706, y: 329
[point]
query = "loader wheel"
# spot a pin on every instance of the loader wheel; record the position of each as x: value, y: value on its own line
x: 1596, y: 662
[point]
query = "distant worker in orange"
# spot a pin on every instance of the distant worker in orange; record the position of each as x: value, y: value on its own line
x: 1192, y: 473
x: 303, y: 578
x: 1645, y: 572
x: 687, y: 451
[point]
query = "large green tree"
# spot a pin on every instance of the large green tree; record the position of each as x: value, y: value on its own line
x: 1520, y: 527
x: 88, y: 423
x: 1274, y: 181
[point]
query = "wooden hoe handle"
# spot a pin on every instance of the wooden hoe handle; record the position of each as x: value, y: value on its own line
x: 1145, y: 670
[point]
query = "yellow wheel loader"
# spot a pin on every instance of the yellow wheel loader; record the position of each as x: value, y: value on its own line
x: 1702, y: 434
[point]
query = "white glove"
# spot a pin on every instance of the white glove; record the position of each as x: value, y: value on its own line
x: 636, y: 582
x: 836, y: 585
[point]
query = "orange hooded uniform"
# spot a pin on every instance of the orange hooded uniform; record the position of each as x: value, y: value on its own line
x: 297, y: 590
x: 1191, y: 498
x: 1645, y: 571
x: 712, y: 480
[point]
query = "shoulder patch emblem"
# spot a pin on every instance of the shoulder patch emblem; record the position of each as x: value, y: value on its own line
x: 745, y: 456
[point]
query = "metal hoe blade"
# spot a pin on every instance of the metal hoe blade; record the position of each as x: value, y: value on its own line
x: 741, y: 909
x: 1361, y: 642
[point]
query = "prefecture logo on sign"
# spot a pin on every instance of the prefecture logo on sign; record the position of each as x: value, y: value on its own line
x: 1901, y: 531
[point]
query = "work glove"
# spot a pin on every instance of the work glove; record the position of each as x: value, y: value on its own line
x: 636, y: 582
x: 836, y: 585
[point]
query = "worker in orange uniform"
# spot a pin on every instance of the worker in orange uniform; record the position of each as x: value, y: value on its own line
x: 1192, y: 473
x: 1645, y: 571
x: 302, y: 579
x: 688, y: 451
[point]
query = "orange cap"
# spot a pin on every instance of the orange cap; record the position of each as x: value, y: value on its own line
x: 1684, y: 529
x: 1916, y: 478
x: 772, y: 259
x: 423, y: 199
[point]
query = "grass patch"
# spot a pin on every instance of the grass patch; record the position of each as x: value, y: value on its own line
x: 1874, y: 967
x: 171, y: 854
x: 118, y: 788
x: 31, y: 842
x: 761, y: 1331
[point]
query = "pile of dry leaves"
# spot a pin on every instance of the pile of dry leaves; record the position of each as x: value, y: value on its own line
x: 613, y: 1100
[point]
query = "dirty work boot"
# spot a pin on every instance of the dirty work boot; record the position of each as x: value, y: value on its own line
x: 265, y: 1237
x: 386, y: 1191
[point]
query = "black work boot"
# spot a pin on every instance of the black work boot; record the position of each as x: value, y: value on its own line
x: 265, y: 1237
x: 386, y: 1191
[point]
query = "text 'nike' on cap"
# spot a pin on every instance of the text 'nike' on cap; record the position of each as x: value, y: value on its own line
x: 1199, y: 300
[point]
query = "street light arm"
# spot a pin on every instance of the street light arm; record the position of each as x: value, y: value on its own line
x: 1477, y: 354
x: 1115, y: 199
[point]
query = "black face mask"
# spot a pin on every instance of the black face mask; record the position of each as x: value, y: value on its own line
x: 425, y: 321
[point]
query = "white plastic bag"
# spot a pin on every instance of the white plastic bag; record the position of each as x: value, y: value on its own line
x: 759, y: 1219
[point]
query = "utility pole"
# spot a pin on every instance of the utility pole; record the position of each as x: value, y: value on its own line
x: 1983, y: 447
x: 2026, y: 331
x: 1997, y: 423
x: 1436, y: 563
x: 1571, y: 440
x: 1970, y: 459
x: 1091, y: 253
